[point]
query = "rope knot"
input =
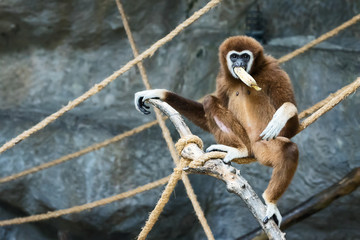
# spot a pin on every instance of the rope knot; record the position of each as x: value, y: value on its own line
x: 182, y: 142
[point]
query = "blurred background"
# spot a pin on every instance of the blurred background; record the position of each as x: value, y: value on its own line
x: 53, y: 51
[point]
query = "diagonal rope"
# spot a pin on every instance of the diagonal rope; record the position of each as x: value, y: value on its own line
x: 98, y: 87
x: 84, y: 151
x: 321, y: 103
x: 165, y: 130
x: 165, y: 196
x: 331, y: 104
x: 87, y: 206
x: 320, y: 39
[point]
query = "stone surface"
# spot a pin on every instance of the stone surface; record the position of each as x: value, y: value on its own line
x: 53, y: 51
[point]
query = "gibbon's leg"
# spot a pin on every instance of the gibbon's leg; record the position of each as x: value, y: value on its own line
x: 282, y: 155
x: 192, y: 110
x: 228, y: 132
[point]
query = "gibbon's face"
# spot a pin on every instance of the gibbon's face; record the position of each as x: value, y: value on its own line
x: 242, y: 59
x: 239, y: 51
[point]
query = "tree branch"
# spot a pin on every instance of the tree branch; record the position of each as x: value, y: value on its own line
x: 235, y: 183
x: 314, y: 204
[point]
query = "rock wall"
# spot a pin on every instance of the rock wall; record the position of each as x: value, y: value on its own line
x: 53, y: 51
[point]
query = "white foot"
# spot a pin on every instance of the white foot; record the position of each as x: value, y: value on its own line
x: 272, y: 212
x: 231, y: 153
x: 141, y: 97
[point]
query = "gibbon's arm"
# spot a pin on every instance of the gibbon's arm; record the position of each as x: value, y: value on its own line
x: 192, y: 110
x: 285, y: 121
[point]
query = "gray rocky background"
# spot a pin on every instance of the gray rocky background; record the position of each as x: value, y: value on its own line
x: 53, y: 51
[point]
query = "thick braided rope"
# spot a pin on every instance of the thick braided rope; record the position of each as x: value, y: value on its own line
x: 80, y: 208
x: 166, y: 133
x: 145, y: 79
x: 98, y: 87
x: 336, y: 99
x: 182, y: 142
x: 330, y: 104
x: 84, y: 151
x: 165, y: 196
x: 198, y: 210
x: 318, y: 105
x: 175, y: 177
x: 320, y: 39
x: 140, y: 65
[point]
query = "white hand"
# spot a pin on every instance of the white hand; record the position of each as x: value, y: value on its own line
x: 231, y: 153
x: 141, y: 97
x: 279, y: 120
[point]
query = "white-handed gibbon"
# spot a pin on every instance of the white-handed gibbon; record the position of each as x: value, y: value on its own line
x: 252, y: 114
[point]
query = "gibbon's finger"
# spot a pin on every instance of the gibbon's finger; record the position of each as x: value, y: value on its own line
x: 215, y: 148
x: 269, y: 132
x: 231, y: 152
x: 141, y: 106
x: 274, y: 131
x: 272, y: 212
x: 264, y: 134
x: 235, y: 153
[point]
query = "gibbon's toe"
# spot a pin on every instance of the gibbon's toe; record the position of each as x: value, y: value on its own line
x: 272, y: 212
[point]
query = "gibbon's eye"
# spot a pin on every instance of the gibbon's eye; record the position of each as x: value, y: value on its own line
x: 233, y: 57
x: 245, y: 56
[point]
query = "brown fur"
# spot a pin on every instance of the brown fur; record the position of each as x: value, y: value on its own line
x: 246, y: 113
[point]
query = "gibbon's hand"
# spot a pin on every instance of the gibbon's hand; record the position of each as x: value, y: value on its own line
x: 231, y: 153
x: 277, y: 123
x: 141, y: 97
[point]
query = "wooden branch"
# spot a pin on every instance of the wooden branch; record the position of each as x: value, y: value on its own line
x: 235, y: 183
x: 314, y: 204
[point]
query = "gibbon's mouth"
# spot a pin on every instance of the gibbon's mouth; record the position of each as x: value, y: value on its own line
x: 246, y: 78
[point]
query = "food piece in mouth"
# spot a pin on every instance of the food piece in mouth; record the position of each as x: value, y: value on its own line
x: 246, y: 78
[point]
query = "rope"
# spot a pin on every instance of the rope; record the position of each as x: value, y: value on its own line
x: 98, y: 87
x: 320, y: 39
x: 80, y: 208
x: 182, y: 142
x: 318, y: 105
x: 198, y: 210
x: 165, y: 130
x: 165, y: 196
x: 331, y: 104
x: 175, y: 177
x: 132, y: 44
x: 84, y: 151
